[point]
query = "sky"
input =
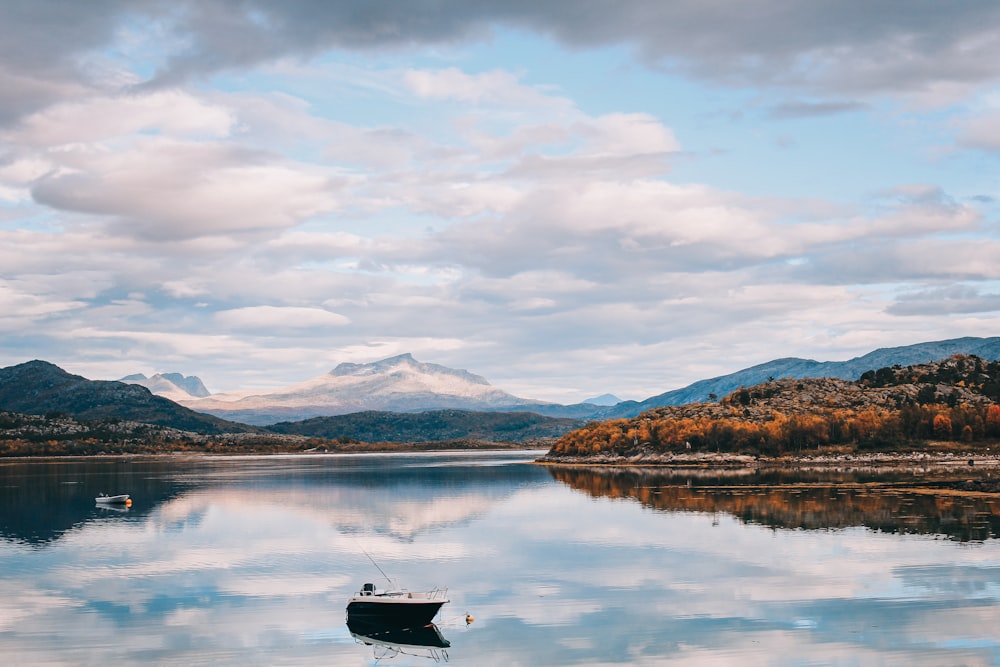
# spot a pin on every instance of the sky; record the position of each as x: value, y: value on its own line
x: 564, y: 198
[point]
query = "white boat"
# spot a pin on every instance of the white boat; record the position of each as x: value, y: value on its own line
x: 397, y: 608
x: 121, y: 499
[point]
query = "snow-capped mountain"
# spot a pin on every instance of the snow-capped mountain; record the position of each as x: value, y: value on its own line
x: 174, y: 386
x: 396, y: 384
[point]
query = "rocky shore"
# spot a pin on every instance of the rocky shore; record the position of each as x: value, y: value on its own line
x: 950, y: 460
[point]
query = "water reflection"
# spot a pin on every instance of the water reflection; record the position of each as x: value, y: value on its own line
x: 119, y: 508
x: 252, y: 561
x: 384, y: 494
x: 889, y: 501
x: 390, y: 642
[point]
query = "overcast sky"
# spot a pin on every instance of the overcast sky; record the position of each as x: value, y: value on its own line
x: 565, y: 198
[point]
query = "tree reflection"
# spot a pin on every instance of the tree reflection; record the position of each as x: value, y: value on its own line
x: 897, y: 501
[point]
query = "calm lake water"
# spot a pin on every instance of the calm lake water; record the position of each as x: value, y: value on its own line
x: 250, y: 561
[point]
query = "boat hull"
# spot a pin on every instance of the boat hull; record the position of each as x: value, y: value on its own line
x: 396, y: 613
x: 113, y: 500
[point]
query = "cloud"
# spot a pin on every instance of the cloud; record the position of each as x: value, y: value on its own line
x: 791, y: 110
x: 169, y: 190
x: 628, y: 134
x: 981, y: 131
x: 946, y: 299
x: 811, y: 46
x: 173, y: 113
x: 814, y: 45
x: 497, y: 87
x: 21, y: 93
x: 275, y: 317
x: 207, y: 183
x: 22, y: 308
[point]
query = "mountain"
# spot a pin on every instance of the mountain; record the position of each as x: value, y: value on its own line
x: 703, y: 390
x: 950, y: 402
x: 403, y: 384
x: 604, y: 400
x: 170, y: 385
x: 396, y: 384
x: 431, y: 426
x: 38, y: 388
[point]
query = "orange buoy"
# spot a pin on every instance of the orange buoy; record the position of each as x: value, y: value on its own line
x: 128, y: 502
x: 469, y: 619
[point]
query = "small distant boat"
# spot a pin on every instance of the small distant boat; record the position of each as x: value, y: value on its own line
x: 395, y: 608
x: 121, y: 499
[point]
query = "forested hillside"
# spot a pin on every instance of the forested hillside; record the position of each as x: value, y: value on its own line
x: 431, y: 426
x: 951, y: 400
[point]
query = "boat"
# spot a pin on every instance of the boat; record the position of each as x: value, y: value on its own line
x: 121, y: 499
x: 395, y: 607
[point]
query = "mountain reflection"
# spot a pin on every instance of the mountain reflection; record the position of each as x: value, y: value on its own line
x: 397, y: 496
x: 903, y: 501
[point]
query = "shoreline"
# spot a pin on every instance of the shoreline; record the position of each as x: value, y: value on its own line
x: 954, y: 461
x: 193, y: 455
x: 941, y: 460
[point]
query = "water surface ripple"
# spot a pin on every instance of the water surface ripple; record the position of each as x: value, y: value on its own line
x: 250, y: 561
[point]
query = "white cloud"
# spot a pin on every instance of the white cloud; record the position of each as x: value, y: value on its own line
x: 171, y: 113
x: 981, y: 131
x: 486, y: 89
x: 22, y: 310
x: 629, y: 134
x: 19, y: 174
x: 168, y: 190
x: 278, y: 317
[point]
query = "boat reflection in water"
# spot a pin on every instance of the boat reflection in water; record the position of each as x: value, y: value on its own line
x: 113, y: 507
x: 388, y: 641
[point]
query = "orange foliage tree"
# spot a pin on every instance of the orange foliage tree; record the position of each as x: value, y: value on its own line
x: 778, y: 433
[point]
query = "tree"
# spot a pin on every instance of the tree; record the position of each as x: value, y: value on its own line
x: 927, y: 394
x: 942, y: 426
x: 993, y: 420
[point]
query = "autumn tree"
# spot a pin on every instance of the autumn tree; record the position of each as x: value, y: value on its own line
x: 993, y: 421
x: 942, y: 426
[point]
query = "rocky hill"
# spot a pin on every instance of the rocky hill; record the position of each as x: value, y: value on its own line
x: 714, y: 388
x: 953, y: 399
x: 40, y: 388
x: 432, y: 426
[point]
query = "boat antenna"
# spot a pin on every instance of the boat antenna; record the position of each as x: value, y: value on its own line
x: 374, y: 563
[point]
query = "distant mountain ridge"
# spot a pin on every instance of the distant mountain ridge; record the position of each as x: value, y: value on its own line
x: 170, y: 385
x: 791, y: 367
x: 39, y: 387
x: 395, y: 384
x: 403, y: 384
x: 603, y: 399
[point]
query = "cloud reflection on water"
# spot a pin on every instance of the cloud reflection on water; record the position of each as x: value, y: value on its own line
x: 235, y: 571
